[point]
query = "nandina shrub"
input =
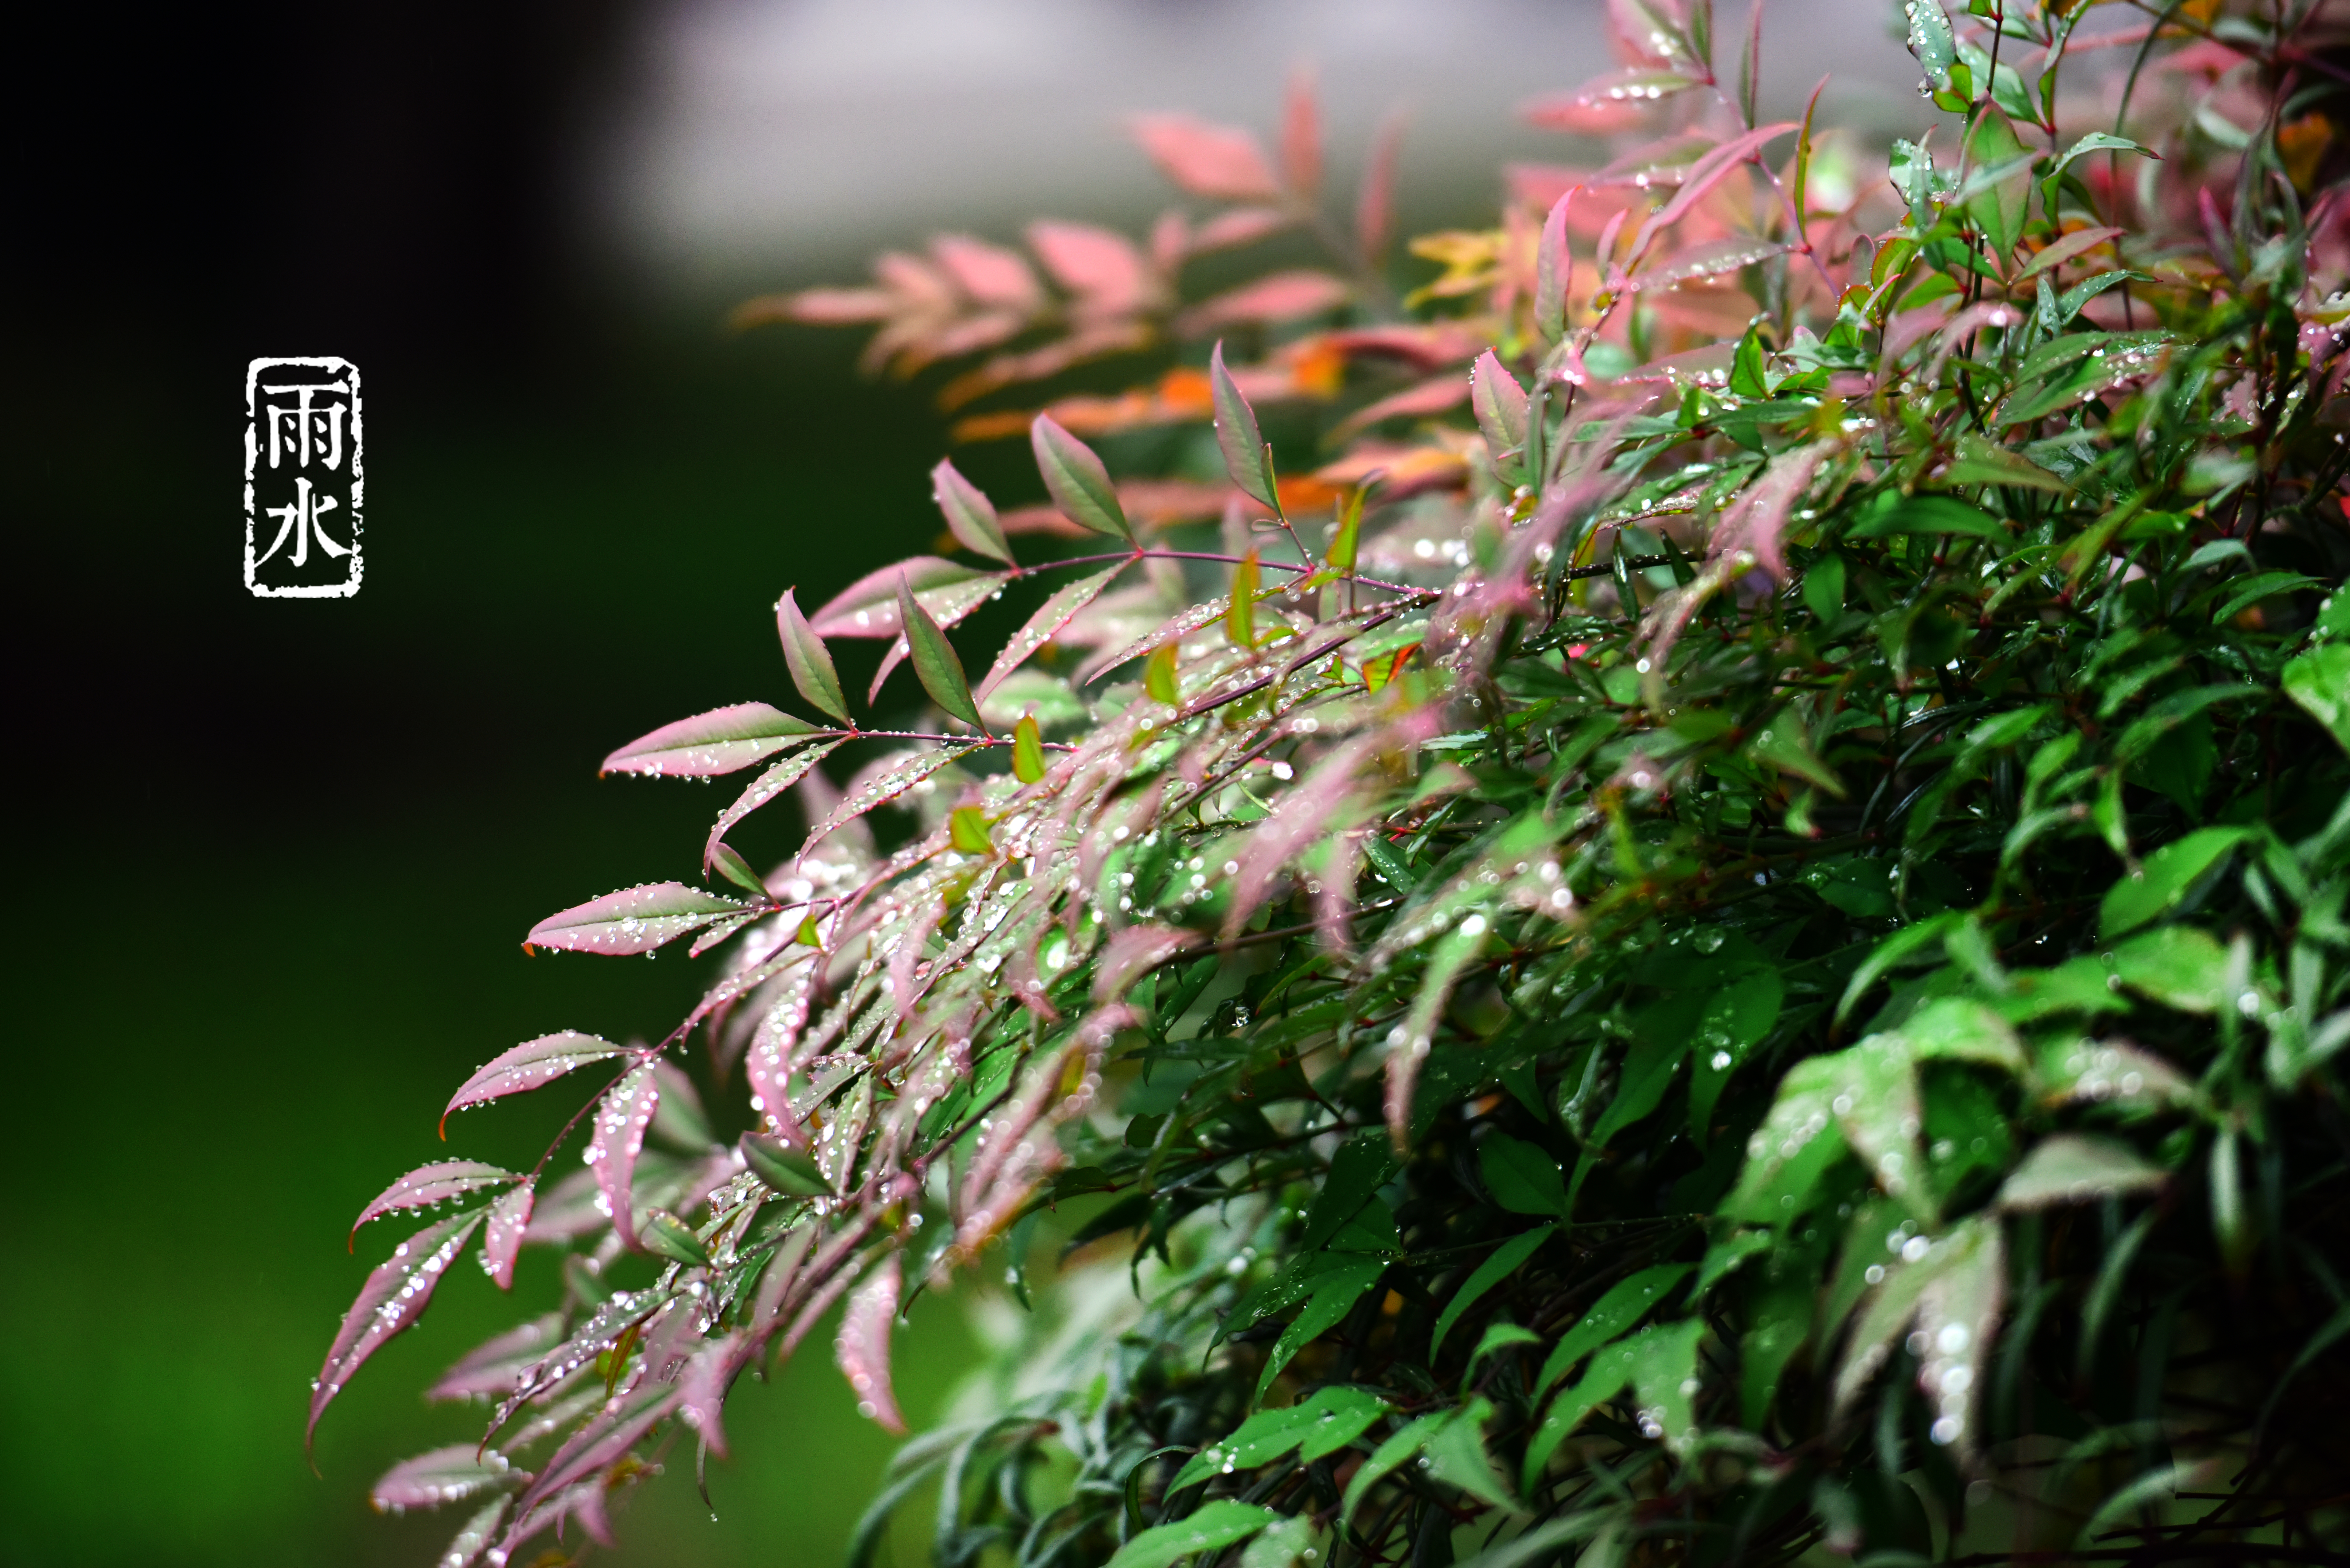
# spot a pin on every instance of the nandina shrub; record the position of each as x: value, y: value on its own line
x: 1700, y: 918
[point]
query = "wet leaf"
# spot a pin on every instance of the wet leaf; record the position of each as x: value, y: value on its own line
x: 1505, y: 1261
x: 1078, y: 482
x: 394, y: 1297
x: 1239, y: 611
x: 2164, y: 881
x: 501, y: 1238
x: 862, y: 1346
x: 971, y: 516
x: 632, y: 920
x: 1027, y: 751
x: 808, y: 659
x: 2319, y: 681
x: 1553, y: 273
x: 618, y: 1137
x: 530, y: 1065
x: 888, y: 787
x: 665, y: 1235
x: 763, y: 789
x: 1500, y: 404
x: 1325, y: 1309
x: 454, y: 1474
x: 2179, y: 966
x: 1212, y: 1527
x: 935, y: 661
x: 1051, y: 616
x: 1246, y: 457
x: 782, y: 1168
x: 430, y: 1184
x: 1521, y: 1177
x: 2077, y: 1168
x: 967, y: 831
x: 1625, y: 1304
x: 721, y: 741
x: 867, y: 607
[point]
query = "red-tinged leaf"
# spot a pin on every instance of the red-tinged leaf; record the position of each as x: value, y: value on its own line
x: 886, y: 788
x: 1375, y: 198
x: 869, y: 606
x: 1101, y: 267
x: 1754, y: 529
x: 1653, y: 32
x: 768, y: 1062
x: 1268, y: 301
x: 1240, y: 226
x: 1172, y: 631
x: 1500, y: 404
x: 702, y: 1388
x: 1219, y: 161
x: 1706, y: 173
x: 1134, y: 952
x: 819, y: 308
x: 809, y: 660
x: 1245, y: 456
x: 430, y: 1184
x: 2066, y: 249
x: 1553, y: 272
x: 1609, y: 103
x: 393, y: 1298
x: 595, y: 1446
x: 969, y: 514
x: 1713, y: 257
x: 863, y: 1347
x: 1321, y: 803
x: 936, y: 664
x: 531, y: 1064
x: 452, y: 1474
x: 632, y: 920
x: 720, y: 931
x: 502, y: 1239
x: 1301, y: 136
x: 764, y: 788
x: 465, y: 1548
x: 621, y: 1118
x: 1078, y: 482
x: 496, y: 1367
x: 719, y: 742
x: 990, y: 275
x: 1442, y: 394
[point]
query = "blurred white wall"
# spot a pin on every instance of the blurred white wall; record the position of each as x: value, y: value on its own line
x: 776, y: 139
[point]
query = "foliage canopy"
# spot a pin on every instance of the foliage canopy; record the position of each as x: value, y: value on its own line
x: 1701, y: 916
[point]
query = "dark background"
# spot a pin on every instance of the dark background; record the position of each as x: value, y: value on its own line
x: 274, y: 858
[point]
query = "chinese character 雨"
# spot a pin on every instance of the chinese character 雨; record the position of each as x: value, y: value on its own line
x: 293, y: 426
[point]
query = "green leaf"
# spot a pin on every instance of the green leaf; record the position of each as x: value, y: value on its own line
x: 1724, y: 1257
x: 1735, y: 1020
x: 1027, y: 751
x: 1246, y: 457
x: 1457, y: 1457
x: 1347, y: 539
x: 1894, y: 513
x: 1931, y: 41
x: 1522, y: 1177
x: 736, y: 869
x: 2077, y: 1167
x: 1798, y: 1141
x: 2095, y: 142
x: 784, y: 1168
x: 1901, y: 945
x: 667, y: 1236
x: 1239, y: 613
x: 1211, y: 1528
x: 1504, y: 1262
x: 1322, y: 1311
x: 1077, y: 479
x: 971, y: 516
x: 967, y: 830
x: 935, y: 663
x: 2165, y: 879
x: 810, y: 663
x: 1362, y: 1164
x: 1405, y: 1441
x: 2319, y: 681
x: 2179, y: 966
x: 2001, y: 192
x: 1824, y: 586
x: 1321, y: 1424
x: 1626, y: 1303
x: 1282, y: 1545
x: 2259, y: 585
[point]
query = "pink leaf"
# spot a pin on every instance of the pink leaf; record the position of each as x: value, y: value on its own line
x: 1132, y: 952
x: 1607, y: 104
x: 1554, y: 271
x: 1705, y: 175
x: 430, y: 1184
x: 1755, y: 526
x: 1050, y: 618
x: 1240, y: 226
x: 863, y: 1347
x: 509, y: 1217
x: 1103, y: 268
x: 531, y: 1064
x: 969, y: 514
x: 1319, y: 803
x: 1219, y: 161
x: 990, y: 275
x: 1652, y: 32
x: 1181, y: 627
x: 768, y: 1065
x: 702, y: 1388
x: 764, y: 788
x: 595, y: 1446
x: 626, y: 1111
x: 719, y: 742
x: 1706, y: 260
x: 393, y: 1298
x: 1444, y: 393
x: 888, y: 787
x: 632, y: 920
x: 452, y: 1474
x: 1375, y: 198
x: 1282, y: 296
x: 869, y: 606
x: 1301, y: 135
x: 1500, y: 403
x: 495, y: 1366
